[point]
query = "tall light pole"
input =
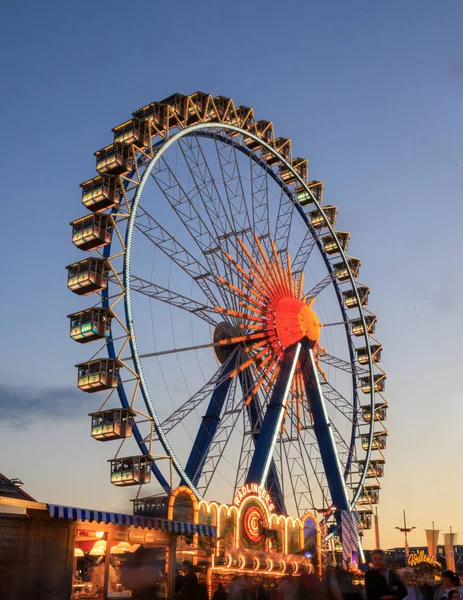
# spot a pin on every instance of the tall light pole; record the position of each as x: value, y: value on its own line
x: 406, y: 530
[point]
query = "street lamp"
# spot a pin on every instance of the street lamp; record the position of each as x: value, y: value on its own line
x: 406, y: 530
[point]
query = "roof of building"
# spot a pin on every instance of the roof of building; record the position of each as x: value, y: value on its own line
x: 11, y: 488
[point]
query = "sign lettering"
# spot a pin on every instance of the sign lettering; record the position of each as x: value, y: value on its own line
x: 253, y: 489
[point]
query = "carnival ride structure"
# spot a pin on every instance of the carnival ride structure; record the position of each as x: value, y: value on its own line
x: 206, y: 241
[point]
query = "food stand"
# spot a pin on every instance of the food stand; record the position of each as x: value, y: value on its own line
x: 62, y: 536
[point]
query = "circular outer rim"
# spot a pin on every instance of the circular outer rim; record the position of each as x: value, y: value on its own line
x: 161, y: 148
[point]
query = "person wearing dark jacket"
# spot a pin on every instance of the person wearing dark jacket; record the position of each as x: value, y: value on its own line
x: 189, y: 589
x: 382, y: 583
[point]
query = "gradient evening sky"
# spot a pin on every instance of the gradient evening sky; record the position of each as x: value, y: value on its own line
x: 370, y: 92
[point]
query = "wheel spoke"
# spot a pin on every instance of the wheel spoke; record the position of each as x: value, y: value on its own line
x: 205, y: 392
x: 167, y: 243
x: 321, y: 285
x: 303, y: 254
x: 223, y: 434
x: 283, y: 224
x: 233, y: 185
x: 212, y: 202
x: 260, y: 208
x: 341, y: 364
x: 168, y: 296
x: 187, y: 211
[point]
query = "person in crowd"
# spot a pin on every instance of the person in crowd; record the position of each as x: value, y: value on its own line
x: 288, y: 588
x: 189, y: 587
x: 241, y: 589
x: 178, y: 581
x: 450, y: 581
x: 331, y: 584
x: 97, y: 578
x: 220, y: 593
x: 382, y: 583
x: 310, y: 587
x: 454, y: 595
x: 413, y: 591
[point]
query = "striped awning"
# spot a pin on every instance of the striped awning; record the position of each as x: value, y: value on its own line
x: 84, y: 514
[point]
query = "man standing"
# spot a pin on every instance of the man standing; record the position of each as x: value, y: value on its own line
x: 189, y: 588
x: 381, y: 583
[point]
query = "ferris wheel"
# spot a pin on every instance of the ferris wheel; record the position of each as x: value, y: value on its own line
x: 230, y: 329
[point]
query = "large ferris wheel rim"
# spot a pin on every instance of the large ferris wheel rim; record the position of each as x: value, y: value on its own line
x: 159, y: 150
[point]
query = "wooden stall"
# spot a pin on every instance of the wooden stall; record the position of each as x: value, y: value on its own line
x: 55, y: 552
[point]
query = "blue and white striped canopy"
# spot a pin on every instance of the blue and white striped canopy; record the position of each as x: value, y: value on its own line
x: 84, y: 514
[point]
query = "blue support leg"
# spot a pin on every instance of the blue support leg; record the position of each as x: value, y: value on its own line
x: 209, y: 425
x: 323, y: 431
x: 325, y: 439
x: 273, y: 483
x: 271, y: 425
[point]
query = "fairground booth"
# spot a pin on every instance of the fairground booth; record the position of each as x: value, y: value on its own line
x: 251, y: 539
x: 68, y: 552
x: 56, y: 552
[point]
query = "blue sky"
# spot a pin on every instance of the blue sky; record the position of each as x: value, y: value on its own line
x: 370, y: 92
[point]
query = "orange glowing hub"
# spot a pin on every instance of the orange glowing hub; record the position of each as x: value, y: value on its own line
x: 295, y: 320
x: 271, y: 315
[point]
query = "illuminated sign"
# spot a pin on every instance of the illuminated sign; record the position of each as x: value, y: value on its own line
x: 253, y: 489
x: 420, y: 557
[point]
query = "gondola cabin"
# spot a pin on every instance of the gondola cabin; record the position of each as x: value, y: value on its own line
x: 178, y: 109
x: 304, y: 198
x: 198, y: 107
x: 284, y: 147
x: 375, y: 468
x: 342, y: 270
x: 91, y: 231
x: 100, y: 193
x: 264, y: 131
x: 133, y: 470
x: 350, y: 299
x: 88, y: 276
x: 379, y: 441
x: 154, y: 113
x: 114, y: 159
x: 97, y: 375
x: 243, y: 117
x: 380, y: 412
x: 330, y: 245
x: 131, y: 132
x: 112, y: 424
x: 369, y: 495
x: 91, y: 324
x: 300, y: 165
x: 380, y: 383
x: 362, y: 354
x: 224, y: 107
x: 152, y: 506
x: 318, y: 221
x: 365, y: 519
x: 358, y: 328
